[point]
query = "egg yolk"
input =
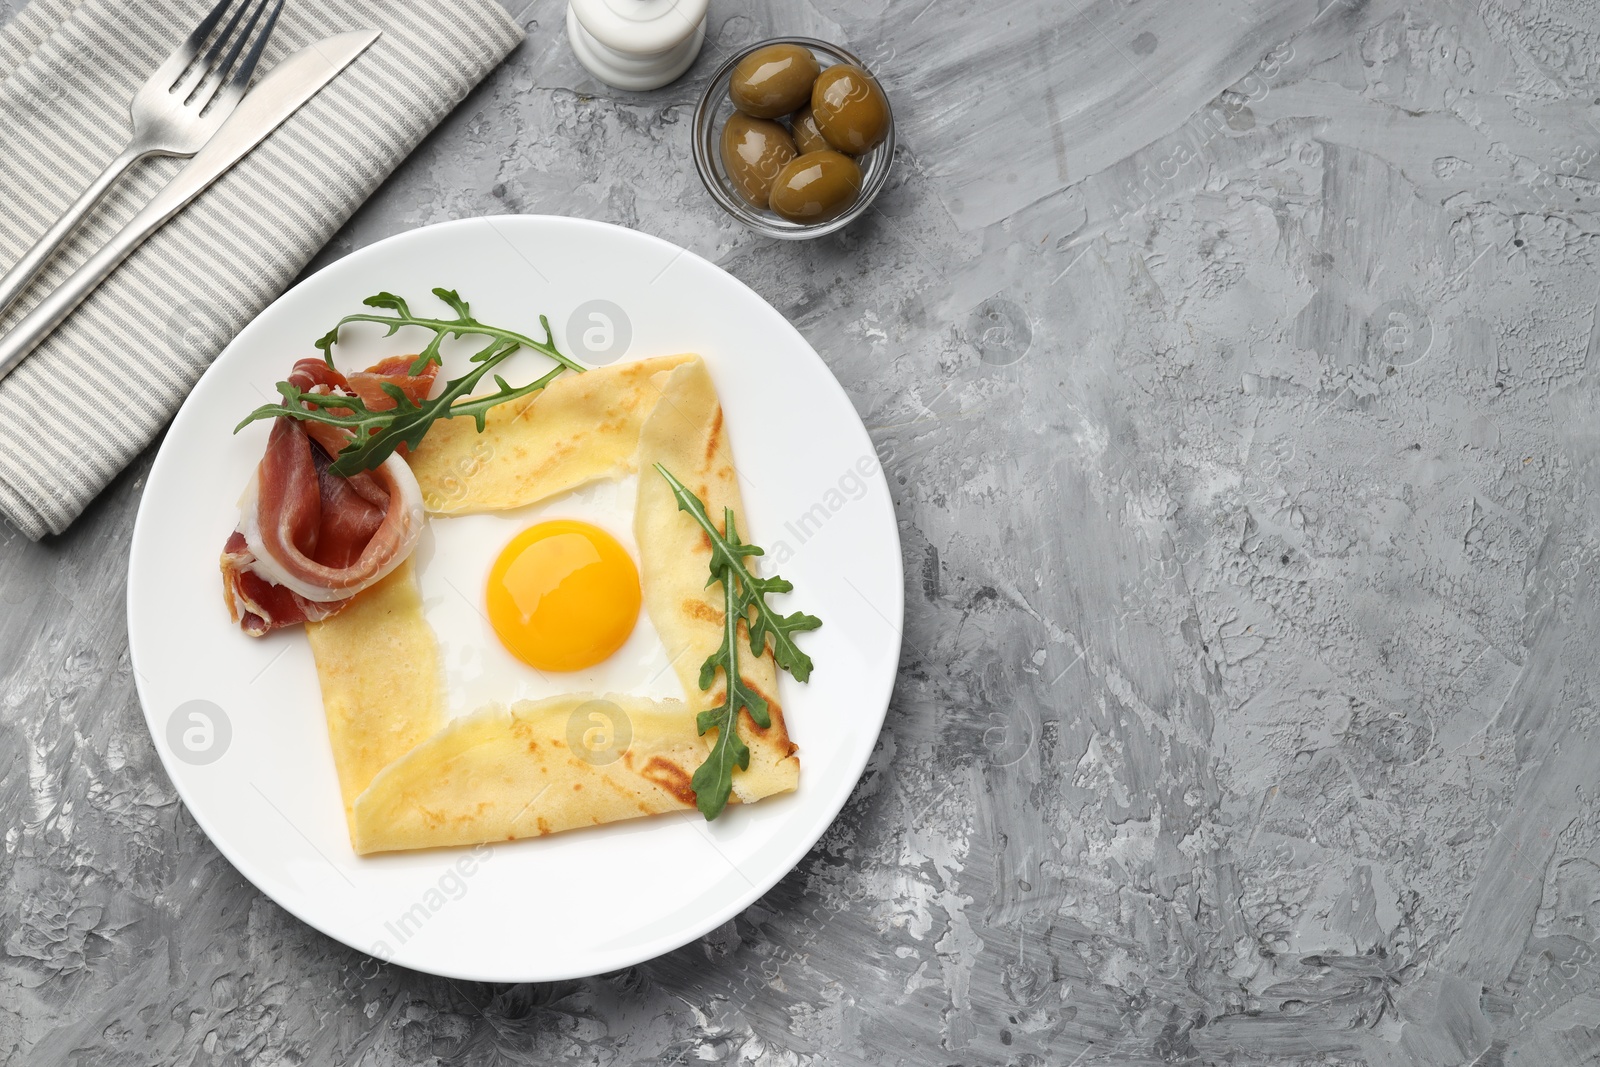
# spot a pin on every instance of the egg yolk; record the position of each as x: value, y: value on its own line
x: 563, y: 595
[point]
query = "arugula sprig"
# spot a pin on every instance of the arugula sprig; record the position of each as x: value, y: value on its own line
x: 727, y: 553
x: 713, y: 779
x: 460, y: 326
x: 376, y: 434
x: 744, y: 598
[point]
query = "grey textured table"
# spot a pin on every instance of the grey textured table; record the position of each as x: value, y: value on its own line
x: 1230, y: 363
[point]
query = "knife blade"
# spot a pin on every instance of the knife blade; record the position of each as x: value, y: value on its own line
x: 278, y: 95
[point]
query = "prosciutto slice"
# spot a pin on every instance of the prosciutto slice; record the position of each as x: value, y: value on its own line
x: 308, y: 540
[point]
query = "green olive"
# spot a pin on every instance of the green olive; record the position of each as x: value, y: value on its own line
x: 816, y: 187
x: 807, y: 138
x: 849, y: 109
x: 753, y: 152
x: 773, y: 81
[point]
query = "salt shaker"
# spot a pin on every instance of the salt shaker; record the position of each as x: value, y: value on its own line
x: 636, y: 44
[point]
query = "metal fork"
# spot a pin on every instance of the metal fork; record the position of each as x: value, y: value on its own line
x: 174, y: 113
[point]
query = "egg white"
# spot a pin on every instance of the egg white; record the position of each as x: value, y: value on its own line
x: 453, y: 561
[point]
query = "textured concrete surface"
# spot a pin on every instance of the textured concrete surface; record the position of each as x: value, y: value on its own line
x: 1231, y: 360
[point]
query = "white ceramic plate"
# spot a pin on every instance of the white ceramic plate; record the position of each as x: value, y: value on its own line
x: 238, y: 721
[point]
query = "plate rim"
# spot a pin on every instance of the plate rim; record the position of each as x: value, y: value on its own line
x: 756, y: 889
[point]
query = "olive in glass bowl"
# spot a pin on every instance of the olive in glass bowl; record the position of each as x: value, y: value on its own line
x: 824, y: 184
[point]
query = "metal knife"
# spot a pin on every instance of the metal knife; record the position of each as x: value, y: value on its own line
x: 275, y: 97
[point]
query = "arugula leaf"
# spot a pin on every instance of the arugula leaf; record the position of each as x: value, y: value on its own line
x: 743, y: 593
x: 378, y: 433
x: 727, y: 553
x: 713, y: 779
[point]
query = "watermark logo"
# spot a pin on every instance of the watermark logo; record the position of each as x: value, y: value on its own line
x: 1001, y: 331
x: 1229, y: 112
x: 1567, y: 176
x: 853, y: 484
x: 196, y: 330
x: 1009, y: 738
x: 1399, y: 334
x: 599, y: 732
x: 198, y: 732
x: 41, y: 90
x: 599, y: 332
x: 367, y: 970
x: 449, y: 887
x: 452, y: 488
x: 16, y: 591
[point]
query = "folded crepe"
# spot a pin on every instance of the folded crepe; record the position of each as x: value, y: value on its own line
x: 685, y: 435
x: 580, y: 428
x: 382, y: 691
x: 411, y: 781
x: 499, y: 774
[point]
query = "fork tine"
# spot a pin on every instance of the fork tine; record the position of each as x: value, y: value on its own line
x: 201, y: 70
x: 168, y: 73
x: 217, y: 64
x: 241, y: 76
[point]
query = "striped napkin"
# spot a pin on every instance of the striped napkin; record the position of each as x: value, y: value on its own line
x: 92, y: 396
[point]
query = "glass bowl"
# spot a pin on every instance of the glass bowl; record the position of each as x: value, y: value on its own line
x: 714, y: 109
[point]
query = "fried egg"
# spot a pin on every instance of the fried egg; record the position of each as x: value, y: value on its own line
x: 563, y: 595
x: 542, y: 600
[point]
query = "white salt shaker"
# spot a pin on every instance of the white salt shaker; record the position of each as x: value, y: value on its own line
x: 636, y: 44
